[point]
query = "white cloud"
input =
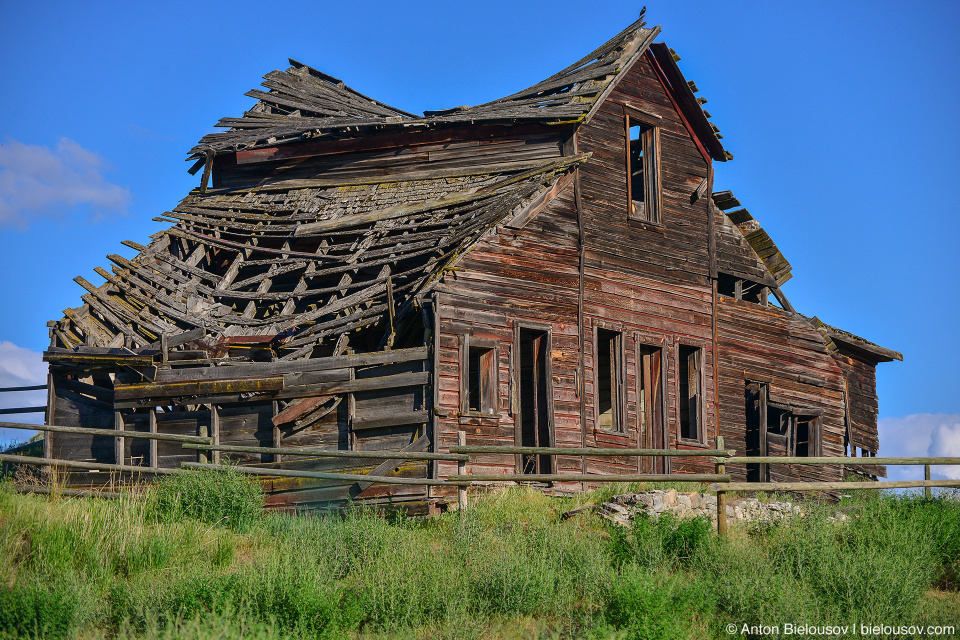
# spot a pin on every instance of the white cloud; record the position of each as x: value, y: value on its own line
x: 921, y: 434
x: 37, y: 180
x: 20, y: 367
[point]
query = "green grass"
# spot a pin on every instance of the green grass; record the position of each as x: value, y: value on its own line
x: 195, y: 557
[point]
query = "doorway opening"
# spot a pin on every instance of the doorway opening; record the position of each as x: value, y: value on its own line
x: 535, y: 389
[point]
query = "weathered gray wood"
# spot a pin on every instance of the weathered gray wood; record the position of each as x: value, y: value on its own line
x: 721, y: 495
x: 388, y: 465
x: 592, y: 477
x: 414, y: 417
x: 461, y: 470
x: 100, y: 393
x: 103, y: 432
x: 335, y: 453
x: 36, y: 387
x: 12, y: 410
x: 319, y: 475
x: 832, y: 486
x: 844, y: 460
x: 63, y: 491
x: 578, y: 451
x: 195, y: 388
x: 77, y: 464
x: 261, y: 369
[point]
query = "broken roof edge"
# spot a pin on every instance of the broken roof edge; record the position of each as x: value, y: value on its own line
x: 844, y: 340
x: 565, y: 98
x: 679, y: 88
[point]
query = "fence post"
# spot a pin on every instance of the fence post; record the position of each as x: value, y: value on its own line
x: 461, y: 470
x: 721, y: 495
x: 927, y: 491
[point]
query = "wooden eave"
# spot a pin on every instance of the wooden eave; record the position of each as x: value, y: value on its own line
x: 753, y: 234
x: 850, y: 344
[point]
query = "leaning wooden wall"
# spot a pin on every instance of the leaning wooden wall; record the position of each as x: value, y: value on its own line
x: 863, y: 404
x: 768, y: 345
x: 650, y: 281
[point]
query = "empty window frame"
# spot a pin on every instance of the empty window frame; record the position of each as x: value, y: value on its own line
x: 643, y: 170
x: 740, y: 289
x: 787, y: 430
x: 690, y: 392
x: 609, y: 395
x: 478, y: 377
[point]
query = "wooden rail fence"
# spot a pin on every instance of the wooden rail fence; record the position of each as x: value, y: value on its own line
x: 722, y: 482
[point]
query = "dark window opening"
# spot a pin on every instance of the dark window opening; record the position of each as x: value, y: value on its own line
x: 690, y: 393
x: 481, y: 380
x: 787, y: 431
x: 535, y: 390
x: 609, y: 367
x: 740, y: 289
x: 643, y: 171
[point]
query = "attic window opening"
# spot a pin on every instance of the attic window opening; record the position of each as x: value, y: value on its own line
x: 740, y: 289
x: 643, y: 170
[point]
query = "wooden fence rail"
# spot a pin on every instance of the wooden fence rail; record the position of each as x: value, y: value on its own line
x: 843, y: 460
x: 334, y: 453
x: 575, y: 451
x: 79, y: 464
x: 108, y: 433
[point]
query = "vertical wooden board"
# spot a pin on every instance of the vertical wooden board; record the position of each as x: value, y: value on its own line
x: 249, y: 425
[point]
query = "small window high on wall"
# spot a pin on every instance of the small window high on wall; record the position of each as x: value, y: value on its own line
x: 690, y: 396
x: 643, y: 170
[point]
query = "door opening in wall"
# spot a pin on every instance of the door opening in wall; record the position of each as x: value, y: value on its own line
x: 534, y: 398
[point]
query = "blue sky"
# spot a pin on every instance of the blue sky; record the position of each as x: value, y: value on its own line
x: 840, y: 117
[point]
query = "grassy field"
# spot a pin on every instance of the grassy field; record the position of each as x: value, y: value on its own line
x: 195, y: 557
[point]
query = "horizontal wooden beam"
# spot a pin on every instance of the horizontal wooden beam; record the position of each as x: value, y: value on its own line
x: 263, y: 369
x: 75, y: 493
x: 109, y: 433
x: 397, y: 419
x: 843, y: 460
x: 196, y: 388
x: 354, y: 386
x: 77, y: 464
x: 319, y: 475
x: 595, y: 477
x: 35, y: 387
x: 575, y: 451
x: 22, y: 410
x: 327, y: 453
x: 97, y: 359
x: 831, y: 486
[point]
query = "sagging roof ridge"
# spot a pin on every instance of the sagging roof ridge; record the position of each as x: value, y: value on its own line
x: 303, y: 102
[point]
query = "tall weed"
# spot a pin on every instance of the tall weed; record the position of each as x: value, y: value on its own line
x: 215, y: 496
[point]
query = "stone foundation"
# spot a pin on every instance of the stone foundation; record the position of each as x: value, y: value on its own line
x: 621, y: 509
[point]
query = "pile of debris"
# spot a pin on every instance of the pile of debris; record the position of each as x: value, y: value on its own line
x: 622, y: 509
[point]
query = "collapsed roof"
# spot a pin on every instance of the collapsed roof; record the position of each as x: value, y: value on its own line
x: 303, y: 103
x: 364, y: 254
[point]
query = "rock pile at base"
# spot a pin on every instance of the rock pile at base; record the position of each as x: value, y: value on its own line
x: 622, y: 509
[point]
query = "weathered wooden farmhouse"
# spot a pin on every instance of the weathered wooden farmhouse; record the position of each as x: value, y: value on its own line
x: 551, y: 268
